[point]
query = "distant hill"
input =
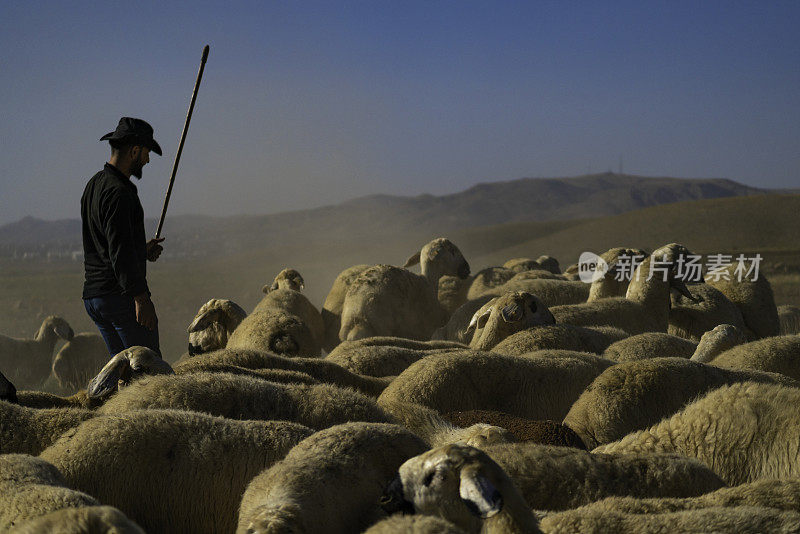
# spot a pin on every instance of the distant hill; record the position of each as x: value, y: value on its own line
x: 523, y: 200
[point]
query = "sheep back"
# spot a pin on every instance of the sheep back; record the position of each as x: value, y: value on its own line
x: 650, y: 345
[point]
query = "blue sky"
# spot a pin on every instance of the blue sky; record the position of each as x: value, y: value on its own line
x: 311, y: 103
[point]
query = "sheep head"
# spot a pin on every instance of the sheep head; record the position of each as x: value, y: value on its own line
x: 58, y: 326
x: 7, y: 390
x: 716, y: 341
x: 461, y: 484
x: 286, y: 279
x: 126, y: 366
x: 669, y: 257
x: 505, y: 316
x: 212, y: 325
x: 438, y: 258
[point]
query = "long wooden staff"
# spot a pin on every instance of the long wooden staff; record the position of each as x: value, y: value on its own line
x: 183, y: 138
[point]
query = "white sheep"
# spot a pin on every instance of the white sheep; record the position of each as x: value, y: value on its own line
x: 171, y: 471
x: 294, y: 303
x: 709, y: 307
x: 29, y: 431
x: 614, y: 282
x: 286, y: 279
x: 739, y: 519
x: 486, y: 280
x: 552, y: 292
x: 543, y: 262
x: 276, y: 331
x: 464, y: 486
x: 124, y: 367
x: 86, y: 520
x: 779, y: 354
x: 456, y: 327
x: 319, y: 369
x: 789, y: 317
x: 752, y: 293
x: 332, y: 307
x: 507, y: 315
x: 645, y: 307
x: 636, y: 394
x: 246, y: 397
x: 452, y: 292
x: 746, y: 431
x: 27, y: 361
x: 560, y: 478
x: 365, y: 357
x: 662, y: 345
x: 560, y: 337
x: 214, y: 323
x: 533, y: 386
x: 31, y: 488
x: 330, y: 482
x: 414, y: 524
x: 79, y: 360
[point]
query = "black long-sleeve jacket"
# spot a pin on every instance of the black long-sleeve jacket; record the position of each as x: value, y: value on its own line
x: 114, y: 245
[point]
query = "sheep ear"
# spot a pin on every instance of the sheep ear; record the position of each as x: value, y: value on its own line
x: 481, y: 496
x: 233, y: 315
x: 105, y: 383
x: 413, y: 260
x: 63, y: 331
x: 484, y: 318
x: 678, y: 285
x: 266, y: 289
x: 204, y: 320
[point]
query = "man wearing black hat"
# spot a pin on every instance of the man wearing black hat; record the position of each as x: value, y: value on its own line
x: 115, y: 291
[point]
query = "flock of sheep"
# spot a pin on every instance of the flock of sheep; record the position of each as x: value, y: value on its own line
x: 515, y: 400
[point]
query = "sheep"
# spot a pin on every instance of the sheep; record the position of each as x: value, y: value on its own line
x: 214, y: 323
x: 293, y: 302
x: 86, y: 520
x: 414, y: 524
x: 752, y: 293
x: 614, y: 282
x: 456, y: 327
x: 462, y: 485
x: 334, y: 303
x: 714, y: 342
x: 436, y: 431
x: 282, y: 376
x: 645, y: 307
x: 789, y: 318
x: 79, y: 360
x: 124, y: 367
x: 329, y: 482
x: 452, y: 292
x: 740, y: 519
x: 507, y: 315
x: 382, y: 360
x: 560, y: 337
x: 28, y: 361
x: 42, y: 399
x: 275, y: 331
x: 552, y: 292
x: 634, y: 395
x: 662, y: 345
x: 245, y: 397
x: 544, y: 262
x: 783, y: 494
x: 780, y: 354
x: 690, y: 318
x: 321, y: 370
x: 7, y: 390
x: 745, y: 431
x: 286, y: 279
x: 389, y: 301
x: 534, y: 387
x: 171, y: 471
x: 542, y: 432
x: 29, y: 430
x: 560, y: 478
x: 485, y: 280
x: 31, y: 488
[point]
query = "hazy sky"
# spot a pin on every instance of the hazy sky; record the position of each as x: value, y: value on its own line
x: 310, y: 103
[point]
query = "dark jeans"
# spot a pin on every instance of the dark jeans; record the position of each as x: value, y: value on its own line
x: 115, y: 317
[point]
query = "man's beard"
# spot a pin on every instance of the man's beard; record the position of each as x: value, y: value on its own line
x: 136, y: 171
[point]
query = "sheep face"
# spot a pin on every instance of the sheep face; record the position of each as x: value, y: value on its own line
x: 125, y: 367
x: 210, y: 328
x: 59, y: 326
x: 508, y: 315
x: 455, y: 482
x: 7, y: 390
x: 438, y: 258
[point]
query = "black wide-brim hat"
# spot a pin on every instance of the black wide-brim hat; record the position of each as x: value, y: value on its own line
x: 136, y: 131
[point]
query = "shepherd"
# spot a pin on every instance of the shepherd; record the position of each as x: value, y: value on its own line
x: 115, y: 251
